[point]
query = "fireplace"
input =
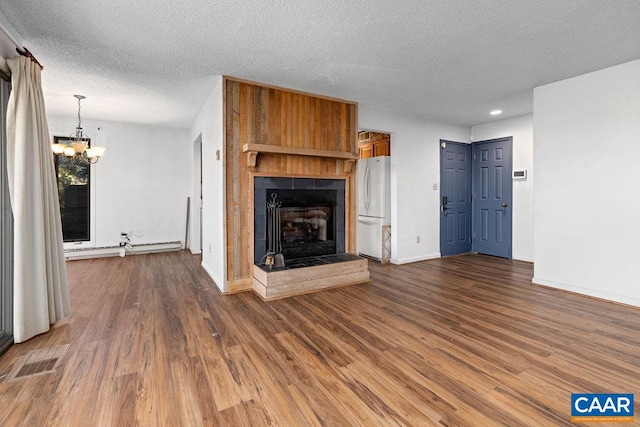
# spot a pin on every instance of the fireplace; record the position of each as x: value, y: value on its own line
x: 311, y: 216
x: 307, y: 222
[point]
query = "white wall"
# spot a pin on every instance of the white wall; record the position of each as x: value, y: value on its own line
x: 587, y: 195
x: 140, y: 185
x: 521, y: 129
x: 208, y: 125
x: 415, y: 167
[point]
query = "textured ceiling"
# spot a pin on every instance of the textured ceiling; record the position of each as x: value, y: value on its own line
x: 151, y: 61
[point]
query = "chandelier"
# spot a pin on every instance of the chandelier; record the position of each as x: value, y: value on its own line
x: 77, y: 146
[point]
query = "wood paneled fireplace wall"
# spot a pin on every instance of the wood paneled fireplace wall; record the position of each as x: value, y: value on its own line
x: 274, y: 132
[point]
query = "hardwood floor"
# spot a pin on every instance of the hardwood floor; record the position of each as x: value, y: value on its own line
x: 458, y: 341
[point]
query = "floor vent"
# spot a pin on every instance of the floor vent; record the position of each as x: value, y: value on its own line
x: 39, y: 362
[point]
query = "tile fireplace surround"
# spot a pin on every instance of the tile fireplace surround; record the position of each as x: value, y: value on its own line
x: 310, y: 191
x: 303, y: 274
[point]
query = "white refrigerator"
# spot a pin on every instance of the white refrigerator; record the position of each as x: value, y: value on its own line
x: 374, y: 208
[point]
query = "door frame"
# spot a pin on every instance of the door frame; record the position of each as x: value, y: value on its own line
x: 472, y: 229
x: 195, y: 233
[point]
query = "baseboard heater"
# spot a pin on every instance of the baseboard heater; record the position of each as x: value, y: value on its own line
x: 109, y: 251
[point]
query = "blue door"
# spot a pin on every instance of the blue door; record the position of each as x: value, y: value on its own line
x: 455, y: 198
x: 492, y: 197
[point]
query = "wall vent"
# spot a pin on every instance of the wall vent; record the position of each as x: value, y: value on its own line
x: 364, y: 136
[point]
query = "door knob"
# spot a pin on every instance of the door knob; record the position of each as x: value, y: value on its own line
x: 504, y: 205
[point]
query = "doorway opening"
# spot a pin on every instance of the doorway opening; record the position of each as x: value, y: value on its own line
x: 195, y: 240
x: 374, y: 195
x: 476, y: 197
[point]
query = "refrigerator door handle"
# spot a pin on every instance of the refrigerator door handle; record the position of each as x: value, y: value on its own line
x: 367, y: 190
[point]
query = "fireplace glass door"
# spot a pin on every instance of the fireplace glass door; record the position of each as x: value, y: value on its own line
x: 307, y: 231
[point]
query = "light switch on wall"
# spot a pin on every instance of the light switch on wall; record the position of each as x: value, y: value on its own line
x: 435, y: 185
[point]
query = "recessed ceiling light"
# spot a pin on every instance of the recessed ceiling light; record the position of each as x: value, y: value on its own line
x: 495, y: 112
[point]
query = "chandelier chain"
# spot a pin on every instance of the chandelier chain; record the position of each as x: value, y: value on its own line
x: 77, y: 146
x: 79, y: 120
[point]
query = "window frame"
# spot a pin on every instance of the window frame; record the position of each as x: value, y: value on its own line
x: 91, y: 198
x: 6, y: 229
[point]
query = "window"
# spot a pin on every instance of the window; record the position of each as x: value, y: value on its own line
x: 73, y: 176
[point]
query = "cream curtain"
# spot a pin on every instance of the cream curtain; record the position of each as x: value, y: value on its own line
x: 40, y: 295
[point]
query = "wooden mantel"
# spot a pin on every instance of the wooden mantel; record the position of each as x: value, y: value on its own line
x: 253, y: 150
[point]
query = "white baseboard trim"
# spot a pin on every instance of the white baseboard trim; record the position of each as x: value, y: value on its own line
x: 219, y: 283
x: 399, y: 261
x: 588, y: 292
x: 522, y: 258
x: 111, y: 251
